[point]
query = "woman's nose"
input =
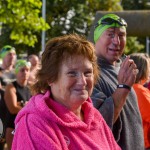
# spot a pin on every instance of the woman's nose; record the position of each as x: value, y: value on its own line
x: 82, y: 79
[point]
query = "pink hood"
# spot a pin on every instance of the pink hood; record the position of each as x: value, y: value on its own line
x: 45, y: 124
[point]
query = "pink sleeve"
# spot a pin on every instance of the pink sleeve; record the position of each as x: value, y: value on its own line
x: 30, y: 135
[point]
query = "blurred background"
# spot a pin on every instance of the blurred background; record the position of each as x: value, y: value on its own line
x: 28, y: 24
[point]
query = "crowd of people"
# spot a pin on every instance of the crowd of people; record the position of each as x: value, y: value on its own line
x: 14, y: 89
x: 83, y: 95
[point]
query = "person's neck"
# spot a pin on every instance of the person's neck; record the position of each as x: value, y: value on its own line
x: 79, y: 113
x: 34, y: 67
x: 107, y: 61
x: 22, y: 82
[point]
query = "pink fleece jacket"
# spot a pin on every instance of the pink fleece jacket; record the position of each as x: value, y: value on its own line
x: 44, y: 124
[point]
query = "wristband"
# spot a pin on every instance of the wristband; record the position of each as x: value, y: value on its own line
x: 22, y: 103
x: 124, y: 86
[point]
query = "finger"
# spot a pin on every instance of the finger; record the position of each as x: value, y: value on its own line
x: 135, y: 71
x: 127, y: 63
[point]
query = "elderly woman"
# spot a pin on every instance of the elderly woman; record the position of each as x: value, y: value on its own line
x: 142, y: 61
x: 16, y: 96
x: 61, y: 115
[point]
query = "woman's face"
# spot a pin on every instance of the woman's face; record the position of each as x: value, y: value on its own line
x: 75, y: 82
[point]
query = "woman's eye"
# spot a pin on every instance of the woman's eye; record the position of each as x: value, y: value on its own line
x: 88, y: 73
x: 72, y: 74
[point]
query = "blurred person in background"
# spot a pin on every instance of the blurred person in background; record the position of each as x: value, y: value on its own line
x: 2, y: 119
x: 142, y: 62
x: 16, y: 96
x: 8, y: 56
x: 35, y: 66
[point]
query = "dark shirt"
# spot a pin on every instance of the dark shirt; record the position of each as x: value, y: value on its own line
x: 23, y: 94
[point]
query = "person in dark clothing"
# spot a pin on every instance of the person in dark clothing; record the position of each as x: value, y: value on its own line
x: 2, y: 119
x: 113, y: 95
x: 8, y: 57
x: 2, y: 103
x: 16, y: 96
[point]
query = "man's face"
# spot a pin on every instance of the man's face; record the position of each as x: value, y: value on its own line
x: 34, y: 60
x: 111, y: 44
x: 23, y: 73
x: 10, y: 58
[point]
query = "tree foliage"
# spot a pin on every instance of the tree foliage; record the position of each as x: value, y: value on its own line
x: 135, y: 44
x: 76, y: 15
x: 135, y: 4
x: 23, y: 20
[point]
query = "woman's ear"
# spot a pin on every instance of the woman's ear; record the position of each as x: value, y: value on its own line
x: 49, y: 83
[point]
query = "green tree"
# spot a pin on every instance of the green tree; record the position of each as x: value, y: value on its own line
x: 135, y: 44
x: 68, y: 16
x: 21, y: 21
x: 77, y: 16
x: 135, y: 4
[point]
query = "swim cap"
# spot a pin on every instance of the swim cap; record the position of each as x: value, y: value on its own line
x: 21, y: 63
x: 108, y: 21
x: 5, y: 50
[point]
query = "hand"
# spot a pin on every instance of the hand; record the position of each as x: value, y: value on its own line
x: 22, y: 103
x: 26, y: 102
x: 127, y: 73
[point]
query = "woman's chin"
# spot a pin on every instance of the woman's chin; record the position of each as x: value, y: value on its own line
x: 82, y: 98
